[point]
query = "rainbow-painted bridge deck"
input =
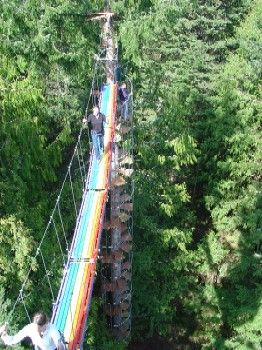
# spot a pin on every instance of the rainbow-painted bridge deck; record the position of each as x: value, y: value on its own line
x: 73, y: 301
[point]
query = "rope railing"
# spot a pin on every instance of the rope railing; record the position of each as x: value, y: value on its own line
x: 77, y: 161
x: 57, y: 229
x: 63, y: 246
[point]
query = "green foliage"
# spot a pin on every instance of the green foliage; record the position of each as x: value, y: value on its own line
x: 196, y: 67
x: 235, y: 200
x: 46, y: 60
x: 98, y: 337
x: 4, y: 304
x: 198, y: 153
x: 15, y: 240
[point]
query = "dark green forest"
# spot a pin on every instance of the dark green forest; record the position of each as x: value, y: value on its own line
x: 196, y: 68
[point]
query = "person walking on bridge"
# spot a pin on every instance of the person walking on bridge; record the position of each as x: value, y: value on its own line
x: 97, y: 120
x: 124, y: 96
x: 42, y: 333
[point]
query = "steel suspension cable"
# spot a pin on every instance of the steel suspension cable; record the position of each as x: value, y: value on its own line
x: 72, y: 190
x: 82, y: 157
x: 26, y: 311
x: 41, y: 242
x: 62, y: 225
x: 80, y: 167
x: 47, y: 275
x: 58, y: 208
x: 59, y: 242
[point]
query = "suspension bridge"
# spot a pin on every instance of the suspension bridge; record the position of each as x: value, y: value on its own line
x: 98, y: 194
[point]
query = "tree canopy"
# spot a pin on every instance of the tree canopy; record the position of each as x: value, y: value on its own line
x: 196, y: 70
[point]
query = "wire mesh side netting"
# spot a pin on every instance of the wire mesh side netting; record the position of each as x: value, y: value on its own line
x: 41, y: 284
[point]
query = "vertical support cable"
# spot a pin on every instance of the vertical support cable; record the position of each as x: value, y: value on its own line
x: 72, y: 190
x: 82, y: 157
x: 80, y: 167
x: 26, y: 311
x: 20, y: 297
x: 62, y: 225
x: 58, y: 240
x: 47, y: 275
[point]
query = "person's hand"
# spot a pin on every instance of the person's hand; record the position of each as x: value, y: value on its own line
x: 84, y: 120
x: 60, y: 346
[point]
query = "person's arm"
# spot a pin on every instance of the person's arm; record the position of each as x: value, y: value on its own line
x: 126, y: 95
x: 60, y: 345
x: 87, y: 119
x: 120, y: 95
x: 28, y: 331
x: 105, y: 119
x: 56, y: 336
x: 17, y: 338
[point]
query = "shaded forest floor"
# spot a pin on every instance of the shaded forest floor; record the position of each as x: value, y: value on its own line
x: 157, y: 343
